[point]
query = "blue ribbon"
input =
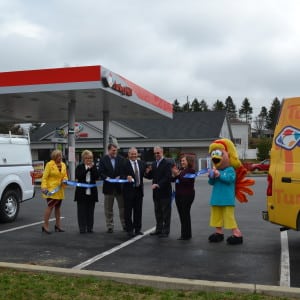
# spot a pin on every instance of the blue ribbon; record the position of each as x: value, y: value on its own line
x: 84, y: 185
x: 50, y: 193
x: 81, y: 184
x: 90, y: 185
x: 115, y: 180
x: 200, y: 172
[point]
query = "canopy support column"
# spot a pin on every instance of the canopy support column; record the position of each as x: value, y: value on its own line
x: 105, y: 131
x: 71, y: 138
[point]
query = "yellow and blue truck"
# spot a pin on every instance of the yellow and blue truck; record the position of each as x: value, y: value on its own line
x: 283, y: 189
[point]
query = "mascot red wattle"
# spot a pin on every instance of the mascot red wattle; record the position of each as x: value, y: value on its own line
x: 228, y: 180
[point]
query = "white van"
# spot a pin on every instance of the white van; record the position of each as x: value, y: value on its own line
x: 16, y: 171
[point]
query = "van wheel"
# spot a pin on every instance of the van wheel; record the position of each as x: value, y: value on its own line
x: 298, y: 222
x: 9, y: 206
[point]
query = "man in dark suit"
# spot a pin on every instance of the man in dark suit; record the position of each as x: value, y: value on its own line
x: 133, y: 192
x: 110, y: 168
x: 161, y: 175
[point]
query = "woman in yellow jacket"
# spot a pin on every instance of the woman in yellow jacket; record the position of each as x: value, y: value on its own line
x: 53, y: 189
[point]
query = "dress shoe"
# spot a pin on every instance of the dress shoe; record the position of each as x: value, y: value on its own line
x: 163, y: 235
x: 90, y: 231
x: 110, y: 230
x: 45, y: 230
x: 139, y: 233
x: 130, y: 234
x: 183, y: 238
x: 155, y: 233
x: 58, y: 229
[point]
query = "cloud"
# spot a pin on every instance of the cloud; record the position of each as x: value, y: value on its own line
x: 176, y: 49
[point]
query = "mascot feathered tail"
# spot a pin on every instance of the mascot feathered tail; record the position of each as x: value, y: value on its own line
x: 228, y: 178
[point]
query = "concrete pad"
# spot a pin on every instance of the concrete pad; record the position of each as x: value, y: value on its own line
x: 278, y: 291
x: 145, y: 280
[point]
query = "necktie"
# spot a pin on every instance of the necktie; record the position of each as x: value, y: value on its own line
x: 113, y: 162
x: 136, y: 174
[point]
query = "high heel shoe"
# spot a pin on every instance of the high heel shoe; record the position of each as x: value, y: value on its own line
x: 45, y: 230
x: 57, y: 229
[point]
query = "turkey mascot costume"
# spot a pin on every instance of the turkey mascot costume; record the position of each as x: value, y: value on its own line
x: 227, y: 176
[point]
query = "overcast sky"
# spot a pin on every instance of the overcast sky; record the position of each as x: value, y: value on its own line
x: 204, y: 49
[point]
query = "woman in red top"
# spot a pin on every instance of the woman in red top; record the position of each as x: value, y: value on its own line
x: 184, y: 194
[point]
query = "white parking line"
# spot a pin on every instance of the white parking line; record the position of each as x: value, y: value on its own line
x: 112, y: 250
x: 25, y: 226
x: 285, y: 260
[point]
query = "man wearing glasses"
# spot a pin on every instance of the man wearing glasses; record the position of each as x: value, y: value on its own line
x: 161, y: 175
x: 133, y: 192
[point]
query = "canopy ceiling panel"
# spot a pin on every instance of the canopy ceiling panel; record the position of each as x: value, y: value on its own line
x: 44, y: 96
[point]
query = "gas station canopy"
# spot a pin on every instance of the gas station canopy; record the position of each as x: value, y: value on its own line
x: 44, y: 95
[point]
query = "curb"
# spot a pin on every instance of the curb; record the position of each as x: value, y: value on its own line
x: 164, y: 282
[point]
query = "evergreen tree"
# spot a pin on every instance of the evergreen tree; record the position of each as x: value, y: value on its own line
x: 176, y: 106
x: 17, y: 129
x: 263, y: 148
x: 195, y: 106
x: 5, y: 128
x: 230, y: 108
x: 273, y: 114
x: 263, y: 112
x: 246, y: 111
x: 218, y: 105
x: 186, y: 107
x: 203, y: 105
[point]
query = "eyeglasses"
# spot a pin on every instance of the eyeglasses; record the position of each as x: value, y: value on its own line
x: 156, y: 152
x: 88, y: 158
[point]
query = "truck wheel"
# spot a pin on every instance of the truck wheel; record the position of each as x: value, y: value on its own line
x: 298, y: 222
x: 9, y: 206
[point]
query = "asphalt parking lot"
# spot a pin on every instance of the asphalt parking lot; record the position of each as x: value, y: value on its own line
x: 256, y: 261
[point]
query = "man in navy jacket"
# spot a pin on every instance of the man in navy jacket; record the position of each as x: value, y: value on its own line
x: 161, y: 175
x: 110, y: 168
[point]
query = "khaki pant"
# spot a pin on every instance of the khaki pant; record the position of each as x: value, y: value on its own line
x: 108, y: 209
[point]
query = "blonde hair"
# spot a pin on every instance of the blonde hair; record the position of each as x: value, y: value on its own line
x: 86, y: 153
x: 55, y: 153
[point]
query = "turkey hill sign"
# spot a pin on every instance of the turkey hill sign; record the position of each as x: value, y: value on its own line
x: 109, y: 81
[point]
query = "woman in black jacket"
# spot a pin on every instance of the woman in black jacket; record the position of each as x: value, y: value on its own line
x: 184, y: 194
x: 86, y: 197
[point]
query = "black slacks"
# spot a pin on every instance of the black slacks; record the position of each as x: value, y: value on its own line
x: 133, y: 206
x: 162, y: 210
x: 184, y: 204
x: 85, y: 213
